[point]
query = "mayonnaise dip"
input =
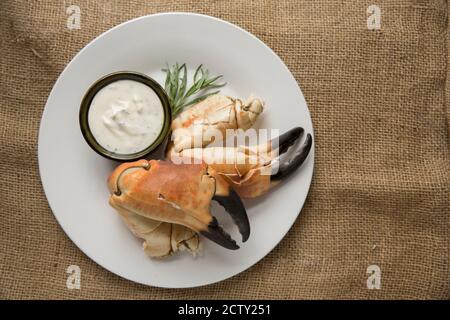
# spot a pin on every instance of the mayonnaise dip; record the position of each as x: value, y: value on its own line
x: 126, y: 116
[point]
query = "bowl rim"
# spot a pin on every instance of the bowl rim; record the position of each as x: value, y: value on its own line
x: 102, y: 82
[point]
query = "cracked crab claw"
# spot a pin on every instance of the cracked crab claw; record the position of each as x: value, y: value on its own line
x: 252, y: 171
x: 208, y: 120
x: 179, y: 194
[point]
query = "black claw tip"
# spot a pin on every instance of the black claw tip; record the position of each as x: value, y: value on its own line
x: 218, y: 235
x: 234, y: 206
x: 287, y: 139
x: 295, y: 161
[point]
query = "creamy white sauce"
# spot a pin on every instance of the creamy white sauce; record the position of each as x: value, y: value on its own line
x: 126, y: 116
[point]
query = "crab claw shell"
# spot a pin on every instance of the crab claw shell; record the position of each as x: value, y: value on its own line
x: 252, y: 171
x: 209, y: 120
x: 184, y: 238
x: 161, y: 239
x: 216, y: 234
x: 293, y: 161
x: 234, y: 206
x: 128, y: 167
x: 248, y: 112
x: 287, y: 154
x: 174, y: 193
x: 286, y: 140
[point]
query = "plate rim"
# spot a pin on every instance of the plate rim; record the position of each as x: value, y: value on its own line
x: 311, y: 156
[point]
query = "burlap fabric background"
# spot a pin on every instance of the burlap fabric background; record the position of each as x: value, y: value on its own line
x: 380, y: 193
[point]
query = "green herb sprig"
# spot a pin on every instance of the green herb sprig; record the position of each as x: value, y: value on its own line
x: 176, y: 86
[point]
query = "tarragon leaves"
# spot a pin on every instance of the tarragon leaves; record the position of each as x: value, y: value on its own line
x: 180, y: 96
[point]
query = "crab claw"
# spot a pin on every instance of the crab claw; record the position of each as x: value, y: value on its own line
x: 234, y: 206
x: 252, y: 171
x: 216, y: 234
x: 287, y: 166
x: 180, y: 194
x: 286, y: 140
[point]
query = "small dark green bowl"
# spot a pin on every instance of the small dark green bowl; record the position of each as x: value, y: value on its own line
x: 101, y: 83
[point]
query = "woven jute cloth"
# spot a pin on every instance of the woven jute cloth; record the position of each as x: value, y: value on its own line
x: 380, y: 192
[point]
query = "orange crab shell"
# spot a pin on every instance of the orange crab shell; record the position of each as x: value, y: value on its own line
x: 152, y: 189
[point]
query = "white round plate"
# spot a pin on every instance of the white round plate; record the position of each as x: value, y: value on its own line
x: 74, y: 176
